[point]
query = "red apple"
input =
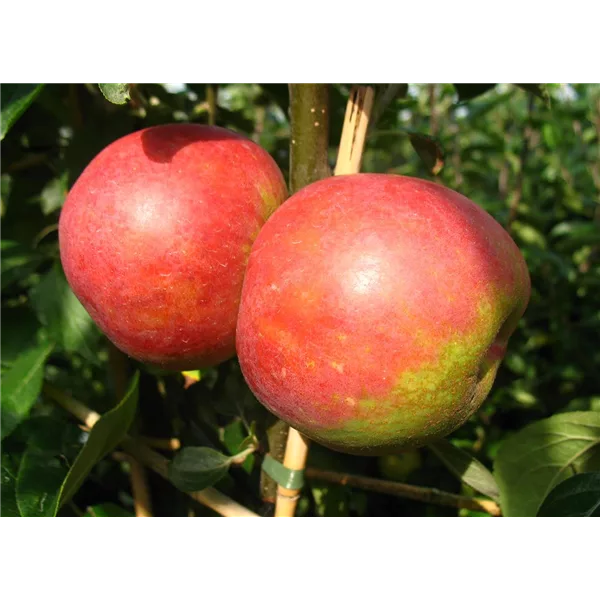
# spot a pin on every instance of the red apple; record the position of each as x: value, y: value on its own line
x: 155, y: 236
x: 376, y: 309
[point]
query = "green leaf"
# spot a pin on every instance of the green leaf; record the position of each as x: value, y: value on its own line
x: 468, y: 91
x: 117, y: 93
x: 537, y: 89
x: 8, y: 483
x: 106, y: 434
x: 15, y: 100
x: 57, y: 307
x: 466, y: 467
x: 196, y: 468
x: 20, y: 331
x: 385, y: 95
x: 532, y: 462
x: 107, y: 510
x: 578, y: 496
x: 17, y: 262
x: 236, y: 440
x: 51, y: 446
x: 54, y: 194
x: 6, y: 182
x: 21, y: 385
x: 429, y: 150
x: 529, y: 235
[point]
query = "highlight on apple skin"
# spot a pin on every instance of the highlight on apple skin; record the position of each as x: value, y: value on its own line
x: 376, y: 310
x: 155, y: 236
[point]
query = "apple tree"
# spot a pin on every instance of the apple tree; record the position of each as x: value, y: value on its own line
x: 89, y: 430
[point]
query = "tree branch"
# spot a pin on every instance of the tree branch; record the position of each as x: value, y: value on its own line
x: 309, y: 143
x: 404, y: 490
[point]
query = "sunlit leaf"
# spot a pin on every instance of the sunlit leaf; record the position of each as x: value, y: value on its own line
x: 117, y: 93
x: 54, y: 194
x: 15, y: 99
x: 532, y: 462
x: 57, y: 307
x: 21, y: 385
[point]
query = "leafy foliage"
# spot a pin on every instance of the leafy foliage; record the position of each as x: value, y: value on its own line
x: 16, y: 98
x: 467, y: 468
x: 117, y: 93
x: 532, y: 462
x: 528, y: 154
x: 194, y: 469
x: 109, y: 430
x: 578, y: 496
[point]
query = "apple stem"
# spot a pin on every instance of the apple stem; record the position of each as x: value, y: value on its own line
x: 404, y: 490
x: 147, y: 457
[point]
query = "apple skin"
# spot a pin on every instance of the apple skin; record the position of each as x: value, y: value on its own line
x: 155, y: 236
x: 376, y: 310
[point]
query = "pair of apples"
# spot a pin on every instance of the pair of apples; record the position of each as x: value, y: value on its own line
x: 369, y: 311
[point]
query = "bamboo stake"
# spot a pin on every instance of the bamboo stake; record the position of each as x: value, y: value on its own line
x: 354, y: 132
x: 210, y: 497
x: 296, y: 452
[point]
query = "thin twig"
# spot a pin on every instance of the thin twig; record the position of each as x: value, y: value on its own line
x: 210, y: 497
x: 404, y: 490
x: 277, y: 437
x: 211, y: 101
x: 433, y: 119
x: 161, y: 443
x: 139, y: 490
